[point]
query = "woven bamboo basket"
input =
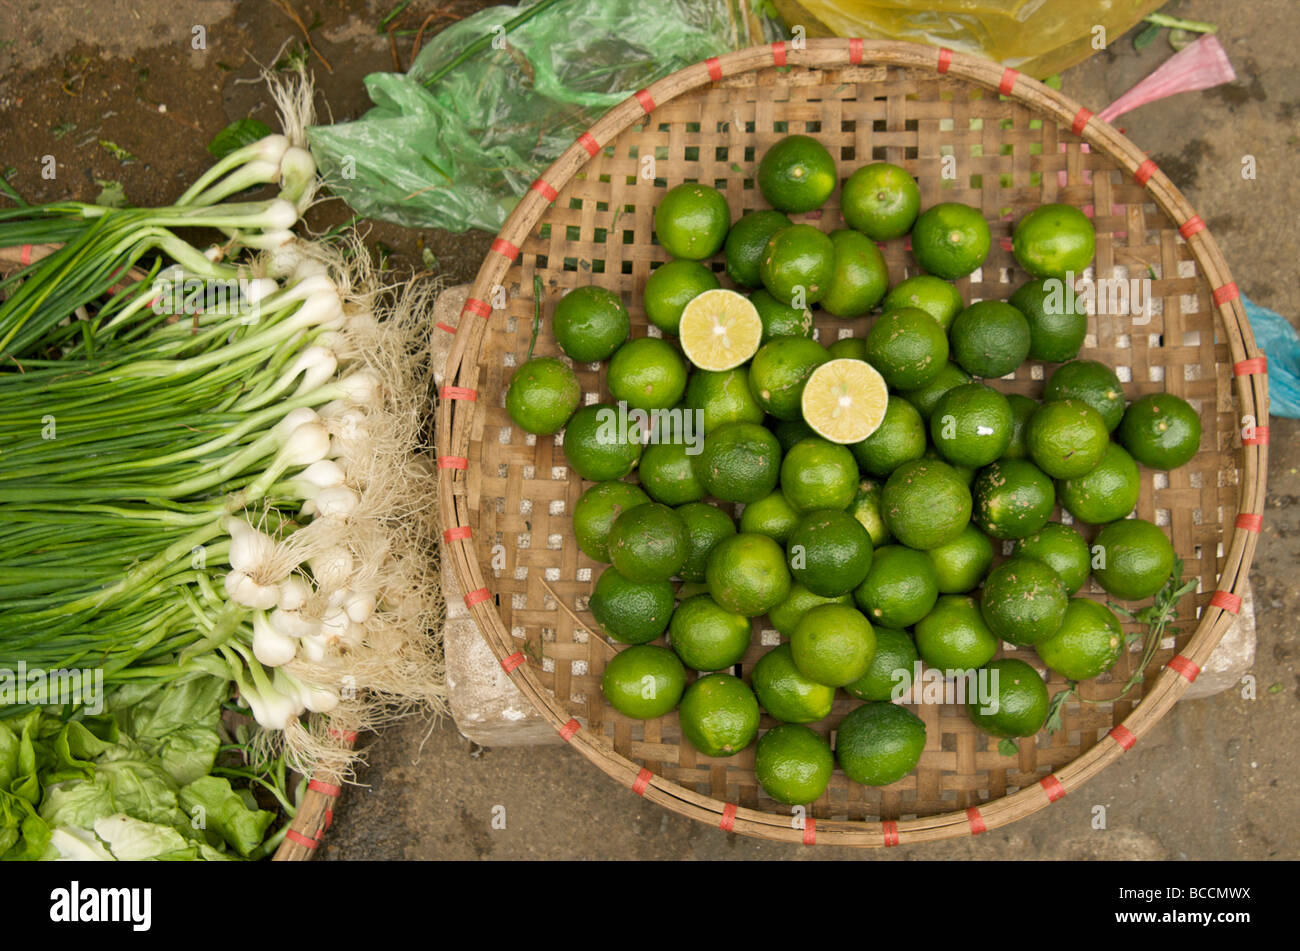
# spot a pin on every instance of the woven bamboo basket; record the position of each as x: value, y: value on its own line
x: 507, y: 497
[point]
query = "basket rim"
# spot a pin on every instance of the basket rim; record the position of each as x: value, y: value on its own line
x: 454, y: 420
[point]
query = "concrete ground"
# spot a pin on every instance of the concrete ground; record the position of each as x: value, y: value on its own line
x: 87, y: 82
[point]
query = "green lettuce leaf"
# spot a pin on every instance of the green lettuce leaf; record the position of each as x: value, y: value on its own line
x: 225, y: 814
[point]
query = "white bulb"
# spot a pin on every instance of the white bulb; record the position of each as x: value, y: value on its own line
x: 271, y: 646
x: 244, y: 590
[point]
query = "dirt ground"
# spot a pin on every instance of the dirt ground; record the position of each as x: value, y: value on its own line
x: 118, y: 92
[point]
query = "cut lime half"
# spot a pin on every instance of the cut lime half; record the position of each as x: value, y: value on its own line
x: 720, y: 330
x: 845, y: 400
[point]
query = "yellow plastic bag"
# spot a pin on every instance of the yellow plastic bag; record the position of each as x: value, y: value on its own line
x: 1038, y: 37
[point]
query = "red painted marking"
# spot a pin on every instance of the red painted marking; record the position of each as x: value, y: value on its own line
x: 447, y: 327
x: 329, y: 789
x: 511, y: 663
x: 570, y: 728
x: 25, y: 255
x: 1191, y: 226
x: 1247, y: 367
x: 1123, y: 736
x: 945, y: 59
x: 1258, y: 437
x: 1008, y: 81
x: 347, y: 736
x: 1080, y: 122
x: 642, y: 781
x: 778, y: 53
x: 480, y: 307
x: 1226, y: 600
x: 891, y: 832
x: 728, y: 817
x: 855, y: 50
x: 715, y: 68
x: 477, y: 597
x: 647, y: 101
x: 505, y: 249
x: 458, y: 393
x: 1182, y: 665
x: 809, y: 830
x: 1052, y: 786
x: 543, y: 189
x: 294, y: 836
x: 1228, y: 292
x: 453, y: 462
x: 1144, y: 172
x: 976, y: 821
x: 329, y: 819
x: 1249, y: 522
x: 460, y: 531
x: 588, y: 142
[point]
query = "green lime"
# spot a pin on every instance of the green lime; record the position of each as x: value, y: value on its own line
x: 723, y: 396
x: 787, y: 694
x: 1013, y: 498
x: 1062, y: 549
x: 779, y: 371
x: 866, y: 509
x: 848, y: 348
x: 772, y: 515
x: 879, y: 743
x: 990, y: 338
x: 543, y: 394
x: 961, y: 564
x: 790, y: 431
x: 926, y: 503
x: 967, y: 473
x: 1089, y: 382
x: 1022, y: 407
x: 1066, y: 439
x: 691, y: 221
x: 860, y: 277
x: 648, y: 543
x: 971, y: 425
x: 590, y: 323
x: 1089, y: 641
x: 740, y: 462
x: 1054, y: 241
x: 781, y: 320
x: 900, y: 438
x: 1161, y: 431
x: 647, y: 373
x: 907, y: 347
x: 1019, y: 700
x: 785, y: 616
x: 924, y: 398
x: 880, y: 200
x: 746, y: 573
x: 793, y: 764
x: 829, y: 552
x: 892, y: 670
x: 719, y: 715
x: 643, y: 682
x: 706, y: 636
x: 950, y: 240
x: 798, y: 265
x: 1108, y: 492
x: 954, y: 637
x: 667, y: 472
x: 939, y: 298
x: 670, y: 287
x: 819, y: 474
x: 1058, y: 321
x: 599, y: 443
x: 1023, y: 601
x: 833, y: 644
x: 595, y: 511
x: 631, y: 612
x: 900, y: 587
x: 1132, y: 558
x: 706, y: 525
x: 797, y: 174
x: 746, y: 241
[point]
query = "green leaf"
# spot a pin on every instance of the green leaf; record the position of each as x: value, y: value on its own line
x: 112, y: 194
x: 1146, y: 36
x: 134, y: 840
x: 226, y: 815
x: 178, y: 724
x: 238, y: 134
x: 115, y: 150
x: 1008, y: 747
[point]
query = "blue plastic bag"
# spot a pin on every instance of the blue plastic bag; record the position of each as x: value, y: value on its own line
x: 1281, y: 344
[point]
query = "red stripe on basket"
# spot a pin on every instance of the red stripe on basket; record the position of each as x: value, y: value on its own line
x: 570, y: 728
x: 1181, y: 665
x: 1081, y: 119
x: 543, y: 189
x: 1191, y: 226
x: 511, y: 663
x: 1226, y: 600
x: 347, y: 736
x: 477, y: 597
x: 458, y: 393
x: 588, y: 142
x: 728, y: 817
x: 1123, y: 736
x: 1250, y: 522
x: 976, y: 821
x: 1228, y: 292
x: 507, y: 250
x: 1248, y: 367
x: 855, y: 50
x: 453, y: 462
x: 294, y: 836
x: 809, y: 830
x: 642, y: 781
x: 1258, y: 437
x: 1145, y: 171
x: 891, y: 832
x: 715, y: 70
x: 481, y: 307
x: 329, y: 819
x: 447, y: 327
x: 1052, y: 786
x: 25, y: 255
x: 1008, y: 81
x: 647, y: 101
x: 778, y: 53
x: 945, y: 59
x: 460, y: 531
x: 329, y: 789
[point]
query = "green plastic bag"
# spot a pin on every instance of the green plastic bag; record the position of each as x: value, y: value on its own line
x: 458, y: 153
